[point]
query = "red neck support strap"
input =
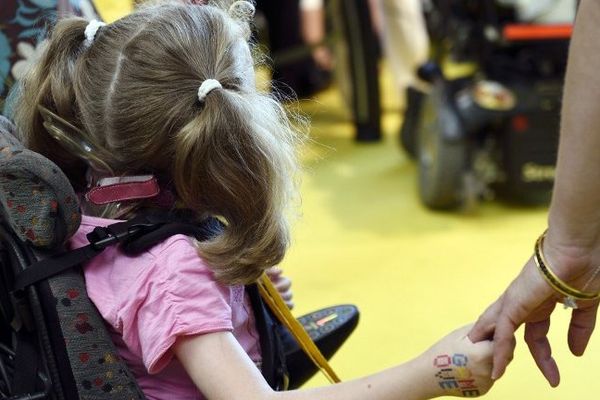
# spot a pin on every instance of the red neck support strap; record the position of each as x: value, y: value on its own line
x: 129, y: 188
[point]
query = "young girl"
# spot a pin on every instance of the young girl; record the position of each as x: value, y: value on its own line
x: 161, y: 110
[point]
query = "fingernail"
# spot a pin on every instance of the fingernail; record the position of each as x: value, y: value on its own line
x: 495, y: 375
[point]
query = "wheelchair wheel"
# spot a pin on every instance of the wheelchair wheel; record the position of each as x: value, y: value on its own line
x: 412, y: 119
x: 441, y: 152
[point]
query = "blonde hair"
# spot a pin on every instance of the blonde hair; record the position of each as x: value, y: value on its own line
x: 134, y: 91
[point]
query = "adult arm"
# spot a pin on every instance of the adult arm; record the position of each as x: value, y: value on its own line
x: 572, y: 247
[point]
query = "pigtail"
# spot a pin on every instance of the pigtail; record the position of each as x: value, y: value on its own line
x: 236, y: 159
x: 230, y: 163
x: 50, y: 84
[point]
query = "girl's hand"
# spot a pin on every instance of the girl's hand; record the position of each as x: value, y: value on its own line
x: 459, y: 367
x: 282, y: 284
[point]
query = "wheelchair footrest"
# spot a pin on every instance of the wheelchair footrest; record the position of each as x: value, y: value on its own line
x: 328, y: 328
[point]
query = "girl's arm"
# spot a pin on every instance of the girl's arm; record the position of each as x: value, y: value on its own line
x: 222, y: 371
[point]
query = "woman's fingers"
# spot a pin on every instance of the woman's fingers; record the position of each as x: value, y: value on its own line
x: 583, y: 321
x: 514, y: 310
x: 504, y: 345
x: 539, y: 347
x: 528, y: 299
x: 486, y: 323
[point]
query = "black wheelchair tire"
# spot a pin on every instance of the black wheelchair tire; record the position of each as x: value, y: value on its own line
x: 441, y: 152
x: 411, y: 121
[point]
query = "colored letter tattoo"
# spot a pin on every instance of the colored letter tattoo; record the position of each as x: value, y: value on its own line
x: 454, y: 376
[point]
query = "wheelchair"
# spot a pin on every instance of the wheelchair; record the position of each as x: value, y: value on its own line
x: 53, y: 342
x: 491, y: 131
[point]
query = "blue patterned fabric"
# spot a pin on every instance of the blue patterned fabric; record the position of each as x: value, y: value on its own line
x: 23, y: 26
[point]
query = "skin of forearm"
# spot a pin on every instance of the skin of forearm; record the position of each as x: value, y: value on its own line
x: 453, y: 366
x: 236, y: 377
x: 410, y: 381
x: 574, y: 217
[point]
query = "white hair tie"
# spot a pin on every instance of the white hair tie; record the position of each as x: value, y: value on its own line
x: 208, y: 86
x: 90, y: 31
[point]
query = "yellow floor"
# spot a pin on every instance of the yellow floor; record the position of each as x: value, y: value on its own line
x: 364, y: 238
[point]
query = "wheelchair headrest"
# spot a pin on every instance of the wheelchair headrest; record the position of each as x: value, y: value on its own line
x: 36, y: 199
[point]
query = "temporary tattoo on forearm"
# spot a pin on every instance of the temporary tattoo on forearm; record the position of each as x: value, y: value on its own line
x: 454, y: 376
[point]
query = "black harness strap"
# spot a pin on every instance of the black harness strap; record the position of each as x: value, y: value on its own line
x: 273, y: 357
x: 26, y: 363
x: 54, y: 265
x: 136, y: 235
x: 209, y: 228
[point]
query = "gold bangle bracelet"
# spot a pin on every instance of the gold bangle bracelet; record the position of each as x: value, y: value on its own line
x: 554, y: 281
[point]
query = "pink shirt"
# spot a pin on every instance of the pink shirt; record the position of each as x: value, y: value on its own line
x: 152, y: 299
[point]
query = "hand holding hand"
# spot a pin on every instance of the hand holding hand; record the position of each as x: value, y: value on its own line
x: 458, y: 366
x: 531, y: 300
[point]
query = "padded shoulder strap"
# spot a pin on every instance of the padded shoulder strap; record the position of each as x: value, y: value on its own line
x: 36, y: 198
x: 136, y: 235
x: 206, y: 230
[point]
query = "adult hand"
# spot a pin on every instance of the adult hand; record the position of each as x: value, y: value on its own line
x: 530, y: 300
x: 461, y: 368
